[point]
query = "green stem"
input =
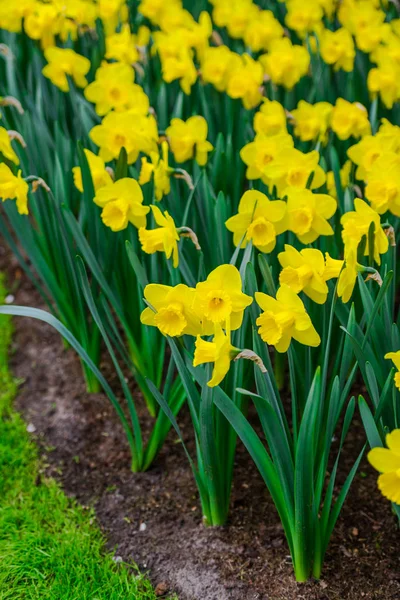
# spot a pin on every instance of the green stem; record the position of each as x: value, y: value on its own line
x: 293, y: 391
x: 318, y: 558
x: 92, y: 384
x: 300, y: 564
x: 279, y: 370
x: 317, y: 567
x: 215, y: 516
x: 150, y: 401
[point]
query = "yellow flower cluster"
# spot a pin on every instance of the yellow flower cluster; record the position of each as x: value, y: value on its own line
x: 261, y: 220
x: 139, y: 134
x: 185, y: 46
x: 377, y: 158
x: 44, y: 21
x: 182, y: 42
x: 301, y: 197
x: 216, y: 307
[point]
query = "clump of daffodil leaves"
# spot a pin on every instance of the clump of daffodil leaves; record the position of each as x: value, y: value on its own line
x: 213, y: 197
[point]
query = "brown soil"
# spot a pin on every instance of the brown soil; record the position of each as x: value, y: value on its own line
x: 154, y: 517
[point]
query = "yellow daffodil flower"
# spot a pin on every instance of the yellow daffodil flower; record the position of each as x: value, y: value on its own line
x: 311, y: 121
x: 235, y: 15
x: 111, y: 13
x: 216, y: 65
x: 258, y: 220
x: 155, y: 9
x: 122, y: 46
x: 333, y: 267
x: 113, y: 89
x: 135, y: 133
x: 5, y: 146
x: 262, y: 152
x: 285, y: 63
x: 285, y: 318
x: 304, y: 271
x: 303, y: 17
x: 122, y: 203
x: 100, y: 176
x: 63, y: 62
x: 329, y: 7
x: 163, y: 239
x: 196, y: 34
x: 180, y: 67
x: 14, y: 188
x: 160, y: 170
x: 245, y: 80
x: 366, y: 152
x: 42, y: 23
x: 173, y: 313
x: 369, y: 38
x: 11, y: 16
x: 383, y: 187
x: 77, y: 16
x: 356, y: 224
x: 387, y: 462
x: 188, y: 139
x: 348, y: 275
x: 385, y: 81
x: 293, y: 168
x: 270, y: 119
x: 337, y: 49
x: 176, y: 57
x: 364, y: 20
x: 349, y: 119
x: 262, y: 30
x: 308, y: 214
x: 220, y: 299
x: 220, y: 352
x: 395, y: 358
x: 389, y: 134
x: 388, y: 50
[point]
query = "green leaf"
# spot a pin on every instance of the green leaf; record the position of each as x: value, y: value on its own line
x: 210, y: 457
x: 336, y: 174
x: 121, y: 169
x: 275, y: 435
x: 303, y: 478
x: 370, y: 427
x: 267, y: 275
x: 378, y: 303
x: 385, y: 396
x: 137, y: 266
x: 372, y: 384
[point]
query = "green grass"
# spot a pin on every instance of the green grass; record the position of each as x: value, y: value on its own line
x: 50, y: 547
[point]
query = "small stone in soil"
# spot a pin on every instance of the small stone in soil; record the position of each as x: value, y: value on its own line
x: 161, y: 589
x: 117, y: 559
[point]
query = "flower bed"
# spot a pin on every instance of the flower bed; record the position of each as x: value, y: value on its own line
x: 207, y: 203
